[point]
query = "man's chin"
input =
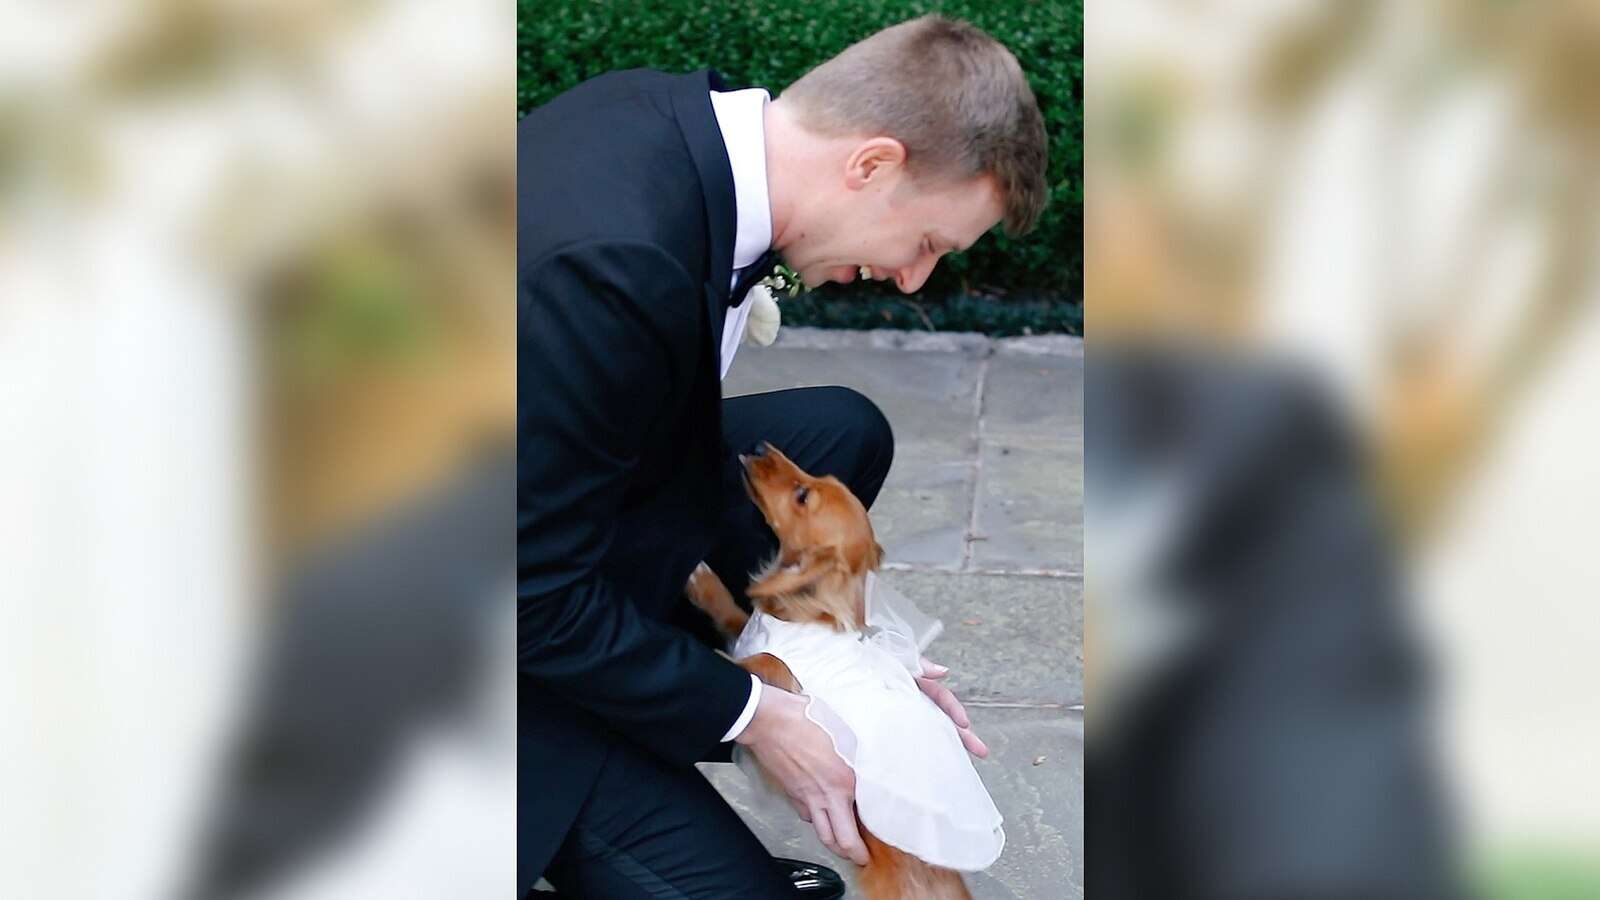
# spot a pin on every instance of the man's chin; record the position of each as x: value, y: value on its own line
x: 837, y: 275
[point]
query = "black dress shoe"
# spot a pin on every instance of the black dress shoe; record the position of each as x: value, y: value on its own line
x: 810, y: 880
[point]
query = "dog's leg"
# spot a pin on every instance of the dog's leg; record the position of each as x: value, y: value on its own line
x: 770, y: 669
x: 706, y: 591
x: 893, y: 874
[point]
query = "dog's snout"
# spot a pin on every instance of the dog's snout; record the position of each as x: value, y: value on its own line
x: 758, y: 451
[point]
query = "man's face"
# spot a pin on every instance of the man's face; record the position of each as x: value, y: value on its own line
x: 896, y: 228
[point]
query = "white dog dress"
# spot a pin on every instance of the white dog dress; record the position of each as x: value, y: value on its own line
x: 916, y: 788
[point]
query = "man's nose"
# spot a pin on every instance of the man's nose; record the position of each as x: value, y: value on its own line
x: 910, y: 280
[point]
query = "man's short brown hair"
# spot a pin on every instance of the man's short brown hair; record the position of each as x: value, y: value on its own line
x: 953, y: 95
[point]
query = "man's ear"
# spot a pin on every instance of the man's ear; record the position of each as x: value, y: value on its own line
x: 869, y: 157
x: 812, y: 567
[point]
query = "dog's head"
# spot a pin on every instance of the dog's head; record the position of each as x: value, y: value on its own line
x: 825, y: 542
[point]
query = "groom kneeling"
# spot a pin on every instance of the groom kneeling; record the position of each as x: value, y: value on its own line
x: 648, y: 203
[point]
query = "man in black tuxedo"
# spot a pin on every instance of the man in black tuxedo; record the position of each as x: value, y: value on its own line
x: 648, y: 203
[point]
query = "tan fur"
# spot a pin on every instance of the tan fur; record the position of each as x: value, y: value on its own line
x: 771, y: 670
x: 707, y: 592
x: 826, y: 549
x: 832, y: 598
x: 895, y: 874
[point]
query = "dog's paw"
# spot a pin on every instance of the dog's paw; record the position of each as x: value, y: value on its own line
x: 705, y: 589
x: 707, y: 592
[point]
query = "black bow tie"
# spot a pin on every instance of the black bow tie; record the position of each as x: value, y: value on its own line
x: 751, y: 274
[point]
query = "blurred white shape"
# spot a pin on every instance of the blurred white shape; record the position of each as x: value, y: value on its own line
x: 128, y: 598
x: 1511, y: 590
x: 123, y: 383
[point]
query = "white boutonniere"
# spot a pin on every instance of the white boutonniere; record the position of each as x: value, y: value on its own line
x: 761, y: 328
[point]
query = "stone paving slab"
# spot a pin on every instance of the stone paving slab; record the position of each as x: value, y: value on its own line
x: 1030, y: 485
x: 1034, y: 393
x: 1007, y: 638
x: 923, y: 512
x: 1030, y: 507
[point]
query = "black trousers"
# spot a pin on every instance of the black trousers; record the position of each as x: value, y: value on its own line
x: 650, y: 829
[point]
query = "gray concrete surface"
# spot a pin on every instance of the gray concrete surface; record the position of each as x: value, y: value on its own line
x: 982, y: 519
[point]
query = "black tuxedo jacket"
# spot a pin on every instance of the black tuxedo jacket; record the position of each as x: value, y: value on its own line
x: 624, y: 257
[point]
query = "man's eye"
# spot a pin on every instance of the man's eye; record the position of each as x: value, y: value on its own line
x: 800, y: 494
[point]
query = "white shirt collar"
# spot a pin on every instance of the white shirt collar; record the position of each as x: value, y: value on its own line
x: 742, y: 117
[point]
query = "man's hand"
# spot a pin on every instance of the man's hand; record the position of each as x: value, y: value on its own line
x: 945, y: 699
x: 798, y: 754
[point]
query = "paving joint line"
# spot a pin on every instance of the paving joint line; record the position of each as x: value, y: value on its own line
x: 800, y: 337
x: 1024, y: 572
x: 1021, y: 704
x: 968, y: 539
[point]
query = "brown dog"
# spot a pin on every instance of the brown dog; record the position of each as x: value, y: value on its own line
x: 825, y: 550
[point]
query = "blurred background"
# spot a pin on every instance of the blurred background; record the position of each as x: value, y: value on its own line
x: 1342, y: 284
x: 1001, y: 287
x: 256, y: 383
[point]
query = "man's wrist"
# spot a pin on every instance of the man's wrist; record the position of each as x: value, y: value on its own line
x: 775, y: 705
x: 742, y: 724
x: 759, y: 722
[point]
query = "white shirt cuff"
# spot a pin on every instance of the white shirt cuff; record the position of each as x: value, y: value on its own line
x: 749, y: 713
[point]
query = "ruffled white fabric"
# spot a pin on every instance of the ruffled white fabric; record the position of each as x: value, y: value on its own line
x: 916, y: 788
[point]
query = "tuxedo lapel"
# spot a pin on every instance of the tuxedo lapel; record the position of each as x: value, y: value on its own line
x: 691, y: 100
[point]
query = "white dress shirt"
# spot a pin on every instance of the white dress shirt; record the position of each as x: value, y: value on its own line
x: 742, y: 117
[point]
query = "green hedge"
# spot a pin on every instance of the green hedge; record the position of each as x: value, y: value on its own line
x: 1002, y: 285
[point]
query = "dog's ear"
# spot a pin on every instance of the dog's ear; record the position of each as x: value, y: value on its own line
x: 812, y: 567
x: 863, y: 557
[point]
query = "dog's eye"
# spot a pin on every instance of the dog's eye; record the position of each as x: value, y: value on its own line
x: 800, y: 494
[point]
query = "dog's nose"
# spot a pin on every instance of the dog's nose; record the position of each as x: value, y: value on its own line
x: 759, y: 450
